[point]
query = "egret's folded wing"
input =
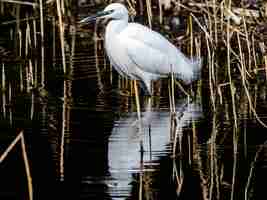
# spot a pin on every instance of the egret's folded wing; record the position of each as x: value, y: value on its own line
x: 148, y: 37
x: 149, y: 56
x: 146, y: 58
x: 155, y: 54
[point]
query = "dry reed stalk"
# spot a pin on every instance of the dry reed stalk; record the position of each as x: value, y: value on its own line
x: 221, y: 16
x: 202, y: 28
x: 34, y: 33
x: 191, y: 35
x: 210, y: 66
x: 62, y: 7
x: 32, y: 106
x: 213, y: 161
x: 181, y: 88
x: 26, y: 3
x: 54, y: 39
x: 65, y: 95
x: 27, y: 38
x: 20, y: 137
x: 20, y: 54
x: 99, y: 81
x: 137, y: 103
x: 245, y: 86
x: 172, y: 132
x: 28, y: 45
x: 19, y: 20
x: 73, y: 44
x: 21, y: 78
x: 160, y: 12
x: 250, y: 176
x: 198, y: 55
x: 177, y: 133
x: 220, y: 91
x: 254, y: 54
x: 189, y: 150
x: 209, y: 20
x: 36, y: 59
x: 215, y: 22
x: 31, y: 73
x: 248, y: 43
x: 131, y: 4
x: 119, y: 82
x: 179, y: 177
x: 9, y: 102
x: 232, y: 90
x: 149, y: 12
x: 66, y: 108
x: 3, y: 78
x: 265, y: 64
x: 66, y: 90
x: 27, y: 80
x: 61, y: 30
x: 255, y: 96
x: 42, y: 44
x: 212, y: 152
x: 172, y: 93
x: 110, y: 74
x: 198, y: 162
x: 62, y: 139
x: 3, y: 90
x: 203, y: 183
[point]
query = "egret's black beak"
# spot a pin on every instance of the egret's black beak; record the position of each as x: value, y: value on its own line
x: 94, y: 17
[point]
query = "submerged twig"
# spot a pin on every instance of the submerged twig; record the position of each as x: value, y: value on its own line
x: 27, y: 3
x: 20, y: 137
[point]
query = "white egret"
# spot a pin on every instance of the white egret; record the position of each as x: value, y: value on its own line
x: 140, y: 53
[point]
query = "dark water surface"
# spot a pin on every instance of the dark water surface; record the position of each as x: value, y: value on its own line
x: 101, y: 156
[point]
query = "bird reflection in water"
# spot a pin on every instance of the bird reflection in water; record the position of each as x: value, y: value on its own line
x: 124, y: 156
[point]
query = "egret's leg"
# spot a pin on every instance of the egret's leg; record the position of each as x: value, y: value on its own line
x: 172, y: 89
x: 172, y: 107
x: 144, y: 87
x: 147, y: 114
x: 137, y: 105
x: 171, y: 95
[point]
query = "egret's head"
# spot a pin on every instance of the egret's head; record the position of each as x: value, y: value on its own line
x: 116, y: 11
x: 112, y: 11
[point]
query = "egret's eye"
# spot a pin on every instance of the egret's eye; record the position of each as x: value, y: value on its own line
x: 110, y: 11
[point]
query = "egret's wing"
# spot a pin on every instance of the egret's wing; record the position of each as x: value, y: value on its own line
x: 146, y: 49
x: 148, y: 37
x: 155, y: 54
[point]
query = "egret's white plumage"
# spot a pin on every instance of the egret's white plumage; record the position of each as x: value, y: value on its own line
x: 141, y: 53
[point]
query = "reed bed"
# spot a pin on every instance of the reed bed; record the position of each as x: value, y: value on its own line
x: 230, y: 39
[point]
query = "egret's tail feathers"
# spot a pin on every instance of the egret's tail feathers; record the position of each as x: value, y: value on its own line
x: 190, y: 70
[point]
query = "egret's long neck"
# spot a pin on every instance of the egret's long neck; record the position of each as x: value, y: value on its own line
x: 116, y: 26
